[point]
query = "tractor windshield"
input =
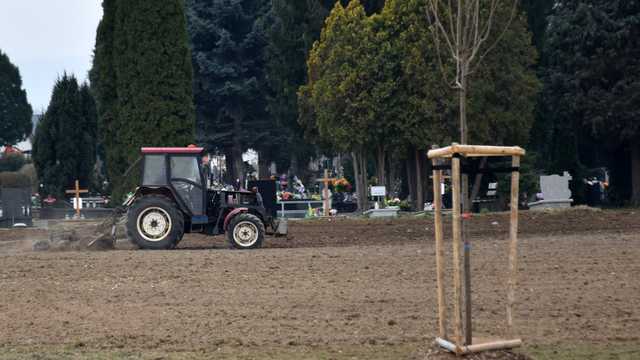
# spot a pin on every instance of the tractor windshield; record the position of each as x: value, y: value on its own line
x: 185, y: 167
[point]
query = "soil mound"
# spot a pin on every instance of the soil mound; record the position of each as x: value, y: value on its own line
x: 80, y: 235
x: 440, y: 354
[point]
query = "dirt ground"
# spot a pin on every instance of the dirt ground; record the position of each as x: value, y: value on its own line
x: 338, y: 289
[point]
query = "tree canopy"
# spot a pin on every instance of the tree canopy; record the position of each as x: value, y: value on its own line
x: 228, y: 41
x: 15, y: 111
x: 592, y: 85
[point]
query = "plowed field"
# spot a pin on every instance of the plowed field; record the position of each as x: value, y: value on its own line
x: 338, y: 289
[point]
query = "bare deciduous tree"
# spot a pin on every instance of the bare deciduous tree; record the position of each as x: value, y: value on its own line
x: 464, y: 28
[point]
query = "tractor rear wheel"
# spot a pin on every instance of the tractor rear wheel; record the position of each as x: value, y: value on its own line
x: 155, y: 223
x: 245, y: 231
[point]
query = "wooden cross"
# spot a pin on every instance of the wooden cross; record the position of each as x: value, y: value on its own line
x: 326, y: 206
x: 77, y: 191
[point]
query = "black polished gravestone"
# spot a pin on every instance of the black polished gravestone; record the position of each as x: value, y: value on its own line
x: 267, y: 189
x: 15, y: 207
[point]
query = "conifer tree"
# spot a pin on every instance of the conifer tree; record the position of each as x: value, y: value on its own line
x: 591, y: 80
x: 15, y: 111
x: 228, y: 55
x: 103, y: 86
x: 143, y: 77
x: 64, y: 141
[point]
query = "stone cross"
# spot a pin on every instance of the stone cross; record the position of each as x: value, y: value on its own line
x: 77, y: 191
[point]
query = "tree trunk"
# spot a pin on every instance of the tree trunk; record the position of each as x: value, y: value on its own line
x: 477, y: 181
x: 419, y: 182
x: 236, y: 149
x: 381, y: 168
x: 359, y: 173
x: 229, y: 176
x: 238, y: 164
x: 411, y: 178
x: 356, y: 178
x: 363, y: 180
x: 463, y: 106
x: 293, y: 164
x: 263, y: 166
x: 392, y: 177
x: 635, y: 173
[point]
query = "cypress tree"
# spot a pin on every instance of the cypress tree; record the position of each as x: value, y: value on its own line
x: 63, y: 146
x: 103, y: 86
x: 88, y: 127
x: 15, y: 111
x: 142, y: 76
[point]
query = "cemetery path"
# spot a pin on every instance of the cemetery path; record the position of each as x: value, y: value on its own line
x: 377, y: 301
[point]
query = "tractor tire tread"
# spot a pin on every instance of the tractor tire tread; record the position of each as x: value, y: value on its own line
x: 246, y: 217
x: 177, y: 219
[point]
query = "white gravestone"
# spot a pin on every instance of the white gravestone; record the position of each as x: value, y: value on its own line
x: 555, y: 192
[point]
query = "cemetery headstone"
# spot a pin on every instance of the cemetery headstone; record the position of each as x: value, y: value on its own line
x: 15, y: 207
x: 555, y: 192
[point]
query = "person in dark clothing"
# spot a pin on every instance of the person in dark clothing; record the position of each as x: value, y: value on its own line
x: 258, y: 195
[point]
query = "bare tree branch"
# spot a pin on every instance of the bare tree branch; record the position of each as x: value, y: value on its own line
x: 465, y: 26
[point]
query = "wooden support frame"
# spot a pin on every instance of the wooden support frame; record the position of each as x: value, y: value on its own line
x: 455, y: 152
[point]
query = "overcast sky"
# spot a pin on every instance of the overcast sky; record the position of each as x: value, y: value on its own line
x: 44, y: 38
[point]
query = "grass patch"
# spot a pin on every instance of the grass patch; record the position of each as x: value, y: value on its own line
x: 373, y: 352
x: 584, y: 352
x: 369, y: 352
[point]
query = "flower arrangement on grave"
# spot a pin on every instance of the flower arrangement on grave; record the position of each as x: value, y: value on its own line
x: 285, y: 195
x: 341, y: 185
x: 393, y: 202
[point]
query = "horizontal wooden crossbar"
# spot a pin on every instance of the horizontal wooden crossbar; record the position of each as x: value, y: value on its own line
x: 474, y: 170
x: 475, y: 150
x: 469, y: 349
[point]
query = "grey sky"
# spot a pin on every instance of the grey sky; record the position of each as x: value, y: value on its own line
x: 44, y: 38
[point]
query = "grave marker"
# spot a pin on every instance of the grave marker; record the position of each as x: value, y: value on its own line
x: 77, y: 202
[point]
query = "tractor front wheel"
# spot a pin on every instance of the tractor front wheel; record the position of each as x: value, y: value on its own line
x: 154, y: 223
x: 246, y: 231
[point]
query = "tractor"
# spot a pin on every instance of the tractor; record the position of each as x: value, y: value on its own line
x: 173, y: 198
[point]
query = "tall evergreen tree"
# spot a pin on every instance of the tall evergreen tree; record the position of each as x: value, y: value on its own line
x: 64, y: 141
x: 538, y: 12
x: 592, y: 88
x: 15, y: 111
x: 89, y: 129
x: 143, y: 80
x: 228, y: 43
x: 104, y: 87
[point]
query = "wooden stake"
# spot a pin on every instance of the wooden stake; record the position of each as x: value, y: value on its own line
x: 457, y: 233
x: 466, y: 207
x: 437, y: 217
x: 513, y: 243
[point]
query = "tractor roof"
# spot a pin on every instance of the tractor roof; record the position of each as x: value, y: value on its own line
x: 172, y: 150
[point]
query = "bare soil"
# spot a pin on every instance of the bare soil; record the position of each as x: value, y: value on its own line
x: 334, y: 289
